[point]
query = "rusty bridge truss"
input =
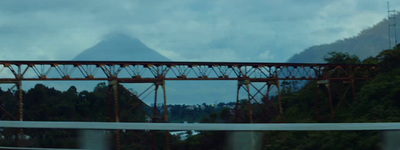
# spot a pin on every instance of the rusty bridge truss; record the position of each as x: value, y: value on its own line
x: 116, y: 72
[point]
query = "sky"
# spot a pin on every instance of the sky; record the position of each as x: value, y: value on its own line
x: 189, y: 30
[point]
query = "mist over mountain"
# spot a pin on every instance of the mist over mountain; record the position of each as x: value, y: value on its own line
x: 368, y: 42
x: 120, y: 47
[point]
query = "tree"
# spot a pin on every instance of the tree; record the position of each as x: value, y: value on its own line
x: 341, y: 58
x: 389, y: 59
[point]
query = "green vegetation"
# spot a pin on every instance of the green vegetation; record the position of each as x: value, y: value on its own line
x: 341, y: 58
x: 42, y: 103
x: 377, y: 100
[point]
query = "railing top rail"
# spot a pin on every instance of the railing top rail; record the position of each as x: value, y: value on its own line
x: 204, y: 126
x: 168, y: 63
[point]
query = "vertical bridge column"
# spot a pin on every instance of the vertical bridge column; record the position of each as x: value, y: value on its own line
x: 244, y: 84
x: 21, y: 113
x: 157, y: 85
x: 247, y: 85
x: 165, y: 108
x: 18, y: 70
x: 278, y: 87
x: 114, y: 85
x: 337, y: 90
x: 328, y: 86
x: 280, y: 101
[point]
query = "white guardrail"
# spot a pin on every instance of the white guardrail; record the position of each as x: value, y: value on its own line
x: 202, y: 126
x: 92, y: 134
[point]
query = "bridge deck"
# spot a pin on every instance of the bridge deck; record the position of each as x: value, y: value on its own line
x: 136, y: 72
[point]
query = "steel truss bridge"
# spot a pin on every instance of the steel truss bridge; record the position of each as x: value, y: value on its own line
x: 116, y: 72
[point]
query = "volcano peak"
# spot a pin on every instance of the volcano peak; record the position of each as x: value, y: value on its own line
x: 120, y: 47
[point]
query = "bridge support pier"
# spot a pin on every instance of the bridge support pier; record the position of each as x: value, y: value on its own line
x: 247, y: 85
x: 113, y: 84
x: 165, y: 108
x: 3, y: 109
x: 338, y: 90
x: 21, y: 136
x: 244, y: 84
x: 316, y: 107
x: 327, y: 84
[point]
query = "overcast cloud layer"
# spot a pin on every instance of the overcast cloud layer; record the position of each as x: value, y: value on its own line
x: 190, y: 30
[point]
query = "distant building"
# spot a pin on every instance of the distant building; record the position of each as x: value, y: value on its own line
x: 183, y: 135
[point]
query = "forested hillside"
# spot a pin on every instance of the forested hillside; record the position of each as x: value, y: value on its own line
x: 369, y: 42
x: 377, y: 100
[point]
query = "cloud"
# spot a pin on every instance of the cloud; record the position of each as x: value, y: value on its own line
x: 265, y: 55
x: 189, y: 30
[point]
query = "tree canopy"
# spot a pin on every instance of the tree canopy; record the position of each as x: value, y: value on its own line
x: 341, y: 58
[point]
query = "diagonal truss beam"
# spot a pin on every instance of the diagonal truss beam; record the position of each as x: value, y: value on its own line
x: 150, y: 72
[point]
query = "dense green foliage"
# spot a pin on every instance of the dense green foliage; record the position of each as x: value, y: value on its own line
x: 42, y: 103
x: 341, y: 58
x: 377, y: 100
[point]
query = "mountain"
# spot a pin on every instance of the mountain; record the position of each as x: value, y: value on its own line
x: 367, y: 43
x: 120, y: 47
